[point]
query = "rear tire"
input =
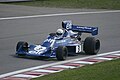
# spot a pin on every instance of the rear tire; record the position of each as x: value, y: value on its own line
x: 61, y: 53
x: 91, y: 45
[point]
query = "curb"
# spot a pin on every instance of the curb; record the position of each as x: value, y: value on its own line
x: 39, y: 71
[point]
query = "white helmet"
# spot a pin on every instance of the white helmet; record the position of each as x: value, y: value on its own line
x: 59, y: 32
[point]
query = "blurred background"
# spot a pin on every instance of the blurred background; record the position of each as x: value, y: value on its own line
x: 13, y: 0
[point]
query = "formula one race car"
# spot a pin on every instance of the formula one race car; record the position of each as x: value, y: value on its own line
x: 60, y: 48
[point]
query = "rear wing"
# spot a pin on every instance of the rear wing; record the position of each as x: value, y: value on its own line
x: 83, y: 29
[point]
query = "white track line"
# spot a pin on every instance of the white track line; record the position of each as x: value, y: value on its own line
x: 102, y: 58
x: 84, y: 62
x: 116, y: 54
x: 25, y: 76
x: 43, y: 70
x: 63, y: 66
x: 60, y: 14
x: 53, y: 64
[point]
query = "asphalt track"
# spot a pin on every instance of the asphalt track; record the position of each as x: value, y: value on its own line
x: 35, y: 30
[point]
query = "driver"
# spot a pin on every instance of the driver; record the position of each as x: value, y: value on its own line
x: 59, y: 33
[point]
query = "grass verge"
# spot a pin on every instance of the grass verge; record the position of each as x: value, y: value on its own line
x: 92, y: 4
x: 109, y: 70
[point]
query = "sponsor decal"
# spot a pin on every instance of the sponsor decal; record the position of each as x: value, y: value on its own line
x: 61, y: 41
x: 38, y: 50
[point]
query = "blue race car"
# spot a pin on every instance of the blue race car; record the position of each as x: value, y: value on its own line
x: 60, y: 48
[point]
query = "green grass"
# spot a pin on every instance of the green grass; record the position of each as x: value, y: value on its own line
x: 94, y: 4
x: 109, y: 70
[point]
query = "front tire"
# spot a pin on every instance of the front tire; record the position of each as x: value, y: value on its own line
x: 91, y: 45
x: 22, y: 46
x: 61, y: 53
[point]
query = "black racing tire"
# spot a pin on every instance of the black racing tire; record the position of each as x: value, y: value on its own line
x: 23, y: 45
x: 61, y: 53
x: 91, y: 45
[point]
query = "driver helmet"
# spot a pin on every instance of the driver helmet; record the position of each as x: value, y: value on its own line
x: 59, y: 32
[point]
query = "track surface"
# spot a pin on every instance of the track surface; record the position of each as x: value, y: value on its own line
x: 35, y: 30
